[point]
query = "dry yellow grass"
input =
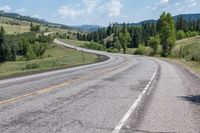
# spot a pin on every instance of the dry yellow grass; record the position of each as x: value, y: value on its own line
x: 13, y: 29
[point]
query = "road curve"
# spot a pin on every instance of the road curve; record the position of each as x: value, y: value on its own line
x: 118, y: 95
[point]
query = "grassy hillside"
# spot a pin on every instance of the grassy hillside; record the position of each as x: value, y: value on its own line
x: 55, y: 57
x: 190, y: 53
x: 188, y: 49
x: 75, y: 42
x: 14, y: 26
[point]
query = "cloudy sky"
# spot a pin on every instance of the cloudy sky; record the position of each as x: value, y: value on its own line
x: 98, y: 12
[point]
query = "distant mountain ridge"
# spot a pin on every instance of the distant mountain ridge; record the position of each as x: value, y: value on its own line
x: 31, y: 19
x: 188, y: 16
x: 185, y: 16
x: 86, y: 28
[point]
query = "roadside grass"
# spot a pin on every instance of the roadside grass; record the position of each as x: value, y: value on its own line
x: 130, y: 51
x: 188, y: 49
x: 186, y: 41
x: 75, y: 42
x: 55, y: 57
x: 190, y: 55
x: 190, y: 65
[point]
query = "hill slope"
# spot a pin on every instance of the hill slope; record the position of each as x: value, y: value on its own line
x: 87, y: 28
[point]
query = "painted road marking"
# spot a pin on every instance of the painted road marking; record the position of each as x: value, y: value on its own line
x: 53, y: 87
x: 135, y: 104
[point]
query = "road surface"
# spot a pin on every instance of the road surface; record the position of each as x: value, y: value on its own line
x: 124, y: 94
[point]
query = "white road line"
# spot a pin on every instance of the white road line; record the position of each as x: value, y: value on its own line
x: 135, y: 104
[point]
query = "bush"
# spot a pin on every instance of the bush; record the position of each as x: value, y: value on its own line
x: 32, y: 66
x: 39, y: 49
x: 112, y: 50
x: 154, y: 43
x: 149, y: 51
x: 140, y: 50
x: 180, y: 35
x: 30, y: 54
x: 95, y: 46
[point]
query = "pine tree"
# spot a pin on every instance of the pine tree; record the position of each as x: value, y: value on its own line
x: 2, y: 45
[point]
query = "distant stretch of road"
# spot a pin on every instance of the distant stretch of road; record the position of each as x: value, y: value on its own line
x: 124, y: 94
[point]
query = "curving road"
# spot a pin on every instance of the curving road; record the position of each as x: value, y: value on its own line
x: 123, y: 94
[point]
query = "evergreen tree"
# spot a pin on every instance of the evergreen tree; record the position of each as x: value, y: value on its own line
x: 2, y: 43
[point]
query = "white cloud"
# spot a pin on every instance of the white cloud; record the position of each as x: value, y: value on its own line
x: 21, y: 10
x: 5, y: 8
x: 192, y: 0
x: 36, y: 16
x: 66, y: 11
x: 112, y: 8
x: 193, y: 4
x: 126, y: 16
x: 164, y: 2
x: 89, y: 5
x: 177, y: 4
x: 155, y: 8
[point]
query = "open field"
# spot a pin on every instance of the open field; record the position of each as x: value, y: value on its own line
x: 55, y: 57
x: 13, y: 29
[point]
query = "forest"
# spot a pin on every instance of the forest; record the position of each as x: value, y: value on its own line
x: 28, y: 45
x: 164, y: 32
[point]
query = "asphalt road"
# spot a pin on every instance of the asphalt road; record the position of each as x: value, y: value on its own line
x: 123, y: 94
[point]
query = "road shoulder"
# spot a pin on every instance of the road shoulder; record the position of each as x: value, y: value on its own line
x: 172, y: 104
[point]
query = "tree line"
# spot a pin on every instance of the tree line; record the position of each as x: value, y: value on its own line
x: 162, y: 33
x: 28, y: 45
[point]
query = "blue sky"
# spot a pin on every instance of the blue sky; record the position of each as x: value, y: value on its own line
x: 98, y: 12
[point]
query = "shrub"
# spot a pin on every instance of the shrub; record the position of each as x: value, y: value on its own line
x: 95, y: 46
x: 112, y: 50
x: 32, y: 66
x: 30, y: 54
x: 39, y: 49
x: 154, y: 43
x: 180, y: 34
x: 140, y: 50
